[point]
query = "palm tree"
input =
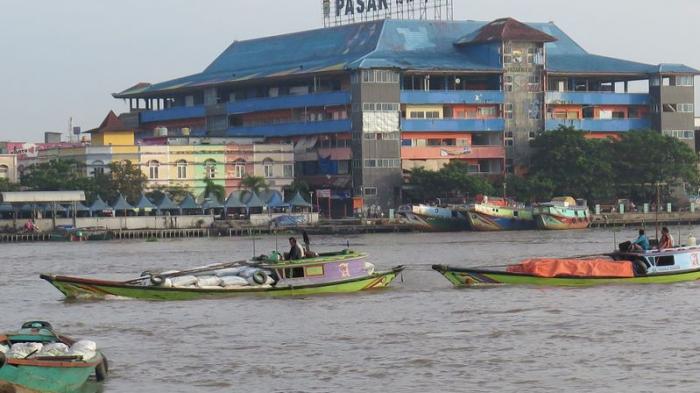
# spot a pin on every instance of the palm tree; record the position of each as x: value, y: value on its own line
x: 254, y: 183
x: 211, y: 188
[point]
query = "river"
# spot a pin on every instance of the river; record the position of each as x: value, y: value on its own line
x: 421, y: 335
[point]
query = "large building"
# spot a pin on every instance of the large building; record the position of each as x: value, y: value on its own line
x: 366, y: 101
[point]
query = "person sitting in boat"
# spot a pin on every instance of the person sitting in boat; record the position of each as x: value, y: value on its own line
x: 296, y: 251
x: 641, y: 243
x: 666, y: 239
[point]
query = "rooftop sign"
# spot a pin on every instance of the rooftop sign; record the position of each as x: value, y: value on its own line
x: 340, y: 12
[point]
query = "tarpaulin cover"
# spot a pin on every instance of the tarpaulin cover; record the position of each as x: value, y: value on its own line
x: 551, y: 267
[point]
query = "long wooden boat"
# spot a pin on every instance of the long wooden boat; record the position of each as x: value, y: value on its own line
x: 488, y: 216
x: 651, y: 267
x: 441, y: 219
x: 38, y: 373
x: 562, y: 213
x: 336, y: 272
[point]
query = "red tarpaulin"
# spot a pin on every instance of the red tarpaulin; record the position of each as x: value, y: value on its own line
x: 552, y: 267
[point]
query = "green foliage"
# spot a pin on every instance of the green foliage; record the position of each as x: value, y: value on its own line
x: 527, y: 189
x: 211, y: 188
x: 56, y: 175
x: 299, y: 186
x: 453, y: 180
x: 254, y: 183
x: 176, y: 193
x: 6, y: 186
x: 123, y: 177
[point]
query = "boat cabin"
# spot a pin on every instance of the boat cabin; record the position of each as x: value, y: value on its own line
x: 323, y: 269
x: 673, y: 260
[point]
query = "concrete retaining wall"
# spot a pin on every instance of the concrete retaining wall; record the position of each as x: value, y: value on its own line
x: 116, y: 223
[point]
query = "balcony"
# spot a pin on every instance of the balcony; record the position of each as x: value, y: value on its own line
x: 600, y: 125
x: 595, y: 98
x: 290, y: 129
x: 452, y: 125
x: 441, y: 97
x: 454, y: 152
x: 176, y: 113
x: 334, y: 98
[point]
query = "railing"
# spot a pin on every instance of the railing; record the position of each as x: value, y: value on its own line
x: 600, y: 125
x: 440, y: 97
x: 334, y: 98
x: 289, y: 129
x: 595, y: 98
x: 176, y: 113
x: 447, y: 152
x: 455, y: 125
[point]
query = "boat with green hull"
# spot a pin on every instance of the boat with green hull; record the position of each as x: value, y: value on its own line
x: 337, y: 272
x: 651, y: 267
x: 40, y: 371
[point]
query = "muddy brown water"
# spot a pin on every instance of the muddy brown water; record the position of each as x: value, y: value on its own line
x: 419, y: 336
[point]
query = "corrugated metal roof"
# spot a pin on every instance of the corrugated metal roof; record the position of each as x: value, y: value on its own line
x: 403, y: 44
x: 42, y: 196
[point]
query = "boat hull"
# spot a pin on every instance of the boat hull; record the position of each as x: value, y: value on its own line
x: 485, y: 223
x: 473, y: 277
x: 441, y: 224
x: 33, y: 376
x: 555, y: 222
x: 78, y: 288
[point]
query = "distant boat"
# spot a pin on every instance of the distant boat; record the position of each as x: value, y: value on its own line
x: 498, y: 214
x: 562, y: 213
x: 441, y: 219
x: 651, y: 267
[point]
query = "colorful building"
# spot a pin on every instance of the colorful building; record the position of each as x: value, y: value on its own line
x: 8, y: 167
x: 363, y: 102
x: 177, y: 165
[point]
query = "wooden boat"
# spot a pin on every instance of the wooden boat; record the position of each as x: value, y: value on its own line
x: 335, y: 272
x: 441, y: 219
x: 651, y: 267
x: 562, y: 213
x: 498, y: 214
x: 37, y: 373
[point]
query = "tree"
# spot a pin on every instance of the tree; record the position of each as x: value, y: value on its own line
x: 123, y: 177
x: 6, y: 186
x: 211, y: 188
x: 574, y: 165
x: 453, y: 180
x: 176, y: 193
x: 254, y: 183
x: 527, y: 189
x: 299, y: 186
x: 55, y: 175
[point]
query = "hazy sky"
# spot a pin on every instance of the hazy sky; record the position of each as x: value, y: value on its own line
x: 62, y: 59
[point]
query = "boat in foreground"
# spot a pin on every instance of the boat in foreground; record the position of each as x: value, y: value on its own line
x: 335, y: 272
x: 620, y: 267
x: 36, y: 359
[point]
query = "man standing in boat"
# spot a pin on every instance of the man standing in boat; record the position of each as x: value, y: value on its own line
x: 296, y: 252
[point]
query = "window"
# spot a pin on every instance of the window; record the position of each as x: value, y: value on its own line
x: 487, y: 112
x: 380, y: 76
x: 380, y: 107
x: 288, y: 170
x: 4, y: 172
x: 685, y: 108
x: 98, y: 168
x: 680, y: 134
x: 508, y: 111
x: 432, y: 115
x: 370, y: 191
x: 210, y: 169
x: 267, y: 168
x: 370, y: 163
x: 153, y: 169
x: 417, y: 115
x: 239, y: 169
x: 531, y: 135
x: 684, y: 80
x: 182, y: 169
x: 508, y: 83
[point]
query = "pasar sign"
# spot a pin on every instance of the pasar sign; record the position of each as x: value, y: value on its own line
x: 352, y: 7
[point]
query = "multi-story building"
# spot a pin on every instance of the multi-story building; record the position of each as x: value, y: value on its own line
x: 365, y: 101
x: 181, y: 165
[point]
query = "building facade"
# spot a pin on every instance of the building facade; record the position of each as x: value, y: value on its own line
x: 8, y: 167
x: 364, y: 103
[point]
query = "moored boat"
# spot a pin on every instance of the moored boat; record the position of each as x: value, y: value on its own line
x: 620, y: 267
x: 441, y: 219
x: 334, y: 272
x: 562, y: 213
x: 498, y: 214
x: 36, y: 359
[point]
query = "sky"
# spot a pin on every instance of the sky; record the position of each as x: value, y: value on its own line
x: 64, y: 59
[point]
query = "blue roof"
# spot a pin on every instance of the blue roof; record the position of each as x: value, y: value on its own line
x: 404, y: 44
x: 189, y: 203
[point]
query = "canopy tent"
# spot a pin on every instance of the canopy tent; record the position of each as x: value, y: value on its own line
x: 167, y: 205
x: 252, y: 200
x: 189, y: 205
x: 122, y: 205
x: 273, y: 199
x: 145, y: 204
x: 99, y: 206
x: 299, y: 201
x: 234, y: 201
x: 79, y: 208
x: 211, y: 202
